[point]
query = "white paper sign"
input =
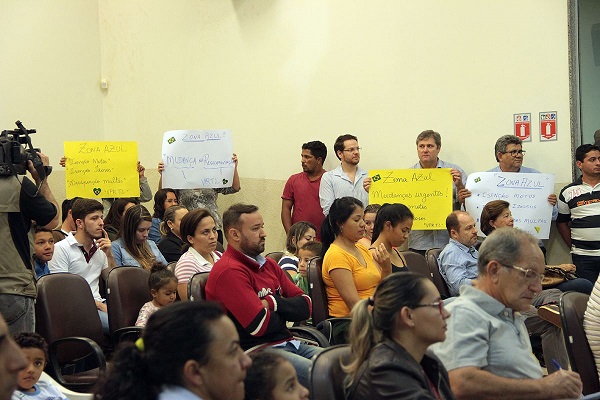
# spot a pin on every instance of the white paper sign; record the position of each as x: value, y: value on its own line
x: 526, y: 193
x: 197, y: 159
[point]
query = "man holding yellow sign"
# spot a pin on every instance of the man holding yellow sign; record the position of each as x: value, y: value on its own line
x: 429, y: 144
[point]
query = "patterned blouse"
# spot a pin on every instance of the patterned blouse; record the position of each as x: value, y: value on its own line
x: 204, y: 198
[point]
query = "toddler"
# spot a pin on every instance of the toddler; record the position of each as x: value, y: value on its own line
x: 163, y: 288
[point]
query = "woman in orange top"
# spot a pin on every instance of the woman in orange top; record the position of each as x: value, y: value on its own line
x: 350, y: 272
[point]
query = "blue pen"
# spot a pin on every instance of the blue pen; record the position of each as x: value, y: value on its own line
x: 556, y: 364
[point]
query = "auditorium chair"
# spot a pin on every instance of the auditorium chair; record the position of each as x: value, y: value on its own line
x: 127, y: 292
x: 275, y: 255
x: 434, y: 270
x: 416, y: 263
x: 196, y: 285
x: 572, y: 307
x: 318, y: 294
x: 67, y: 317
x: 326, y: 374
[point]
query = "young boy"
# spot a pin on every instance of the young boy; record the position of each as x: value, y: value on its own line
x: 43, y: 245
x: 29, y: 386
x: 307, y: 251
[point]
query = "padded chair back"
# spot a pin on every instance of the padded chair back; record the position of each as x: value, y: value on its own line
x: 196, y: 286
x: 434, y: 269
x: 572, y: 307
x: 220, y: 248
x: 316, y: 289
x: 65, y: 307
x: 127, y: 292
x: 171, y: 266
x: 326, y: 374
x: 275, y: 255
x: 416, y: 263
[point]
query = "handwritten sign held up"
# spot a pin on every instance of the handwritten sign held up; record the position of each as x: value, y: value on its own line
x: 426, y: 192
x: 197, y: 159
x: 526, y: 193
x: 102, y: 169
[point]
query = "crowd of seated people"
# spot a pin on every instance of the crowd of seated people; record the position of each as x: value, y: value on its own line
x: 395, y: 318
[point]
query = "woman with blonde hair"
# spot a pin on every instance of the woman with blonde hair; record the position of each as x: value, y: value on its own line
x: 389, y: 337
x: 132, y: 246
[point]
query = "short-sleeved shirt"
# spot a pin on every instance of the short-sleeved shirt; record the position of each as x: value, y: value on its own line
x: 458, y: 265
x: 365, y: 279
x: 425, y: 240
x: 192, y: 262
x: 68, y: 257
x: 289, y: 262
x: 484, y: 333
x: 336, y: 184
x: 42, y: 390
x: 304, y: 193
x: 145, y: 312
x: 579, y: 204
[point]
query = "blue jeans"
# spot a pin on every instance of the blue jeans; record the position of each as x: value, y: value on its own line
x: 18, y: 312
x: 588, y: 267
x: 104, y: 321
x: 300, y: 358
x: 580, y: 285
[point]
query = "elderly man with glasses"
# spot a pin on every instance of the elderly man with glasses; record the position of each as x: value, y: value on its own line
x: 487, y: 351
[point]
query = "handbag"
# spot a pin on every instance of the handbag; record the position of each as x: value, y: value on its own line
x: 553, y: 276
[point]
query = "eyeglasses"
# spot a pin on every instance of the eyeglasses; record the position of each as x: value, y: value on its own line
x: 514, y: 153
x: 352, y: 149
x: 529, y: 274
x: 439, y: 304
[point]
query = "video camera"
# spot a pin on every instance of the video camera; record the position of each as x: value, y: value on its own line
x: 16, y: 150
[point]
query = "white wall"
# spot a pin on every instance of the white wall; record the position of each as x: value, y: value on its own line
x: 279, y: 73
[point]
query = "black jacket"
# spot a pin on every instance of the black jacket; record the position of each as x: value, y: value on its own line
x: 170, y: 247
x: 391, y: 372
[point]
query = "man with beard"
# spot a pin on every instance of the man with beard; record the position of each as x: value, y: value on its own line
x: 300, y: 198
x: 78, y: 252
x: 258, y: 295
x: 348, y: 179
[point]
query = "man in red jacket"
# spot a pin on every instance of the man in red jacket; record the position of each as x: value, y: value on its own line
x: 257, y: 294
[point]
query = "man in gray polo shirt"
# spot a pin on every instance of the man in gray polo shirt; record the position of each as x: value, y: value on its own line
x: 487, y: 351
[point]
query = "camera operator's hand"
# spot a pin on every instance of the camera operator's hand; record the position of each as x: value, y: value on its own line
x: 31, y: 168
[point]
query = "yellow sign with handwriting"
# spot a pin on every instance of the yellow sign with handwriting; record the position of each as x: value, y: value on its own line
x: 426, y: 192
x: 102, y: 169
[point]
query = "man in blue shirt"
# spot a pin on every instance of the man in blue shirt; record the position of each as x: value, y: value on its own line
x: 458, y: 260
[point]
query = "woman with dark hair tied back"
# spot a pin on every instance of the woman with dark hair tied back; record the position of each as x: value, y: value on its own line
x: 350, y: 271
x: 389, y: 337
x: 189, y: 350
x: 163, y: 200
x: 199, y: 231
x: 391, y: 228
x: 171, y: 244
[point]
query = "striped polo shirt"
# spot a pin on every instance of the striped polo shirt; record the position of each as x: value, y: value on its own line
x: 579, y: 203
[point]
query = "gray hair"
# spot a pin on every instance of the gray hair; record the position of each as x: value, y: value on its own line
x: 504, y: 141
x: 503, y: 245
